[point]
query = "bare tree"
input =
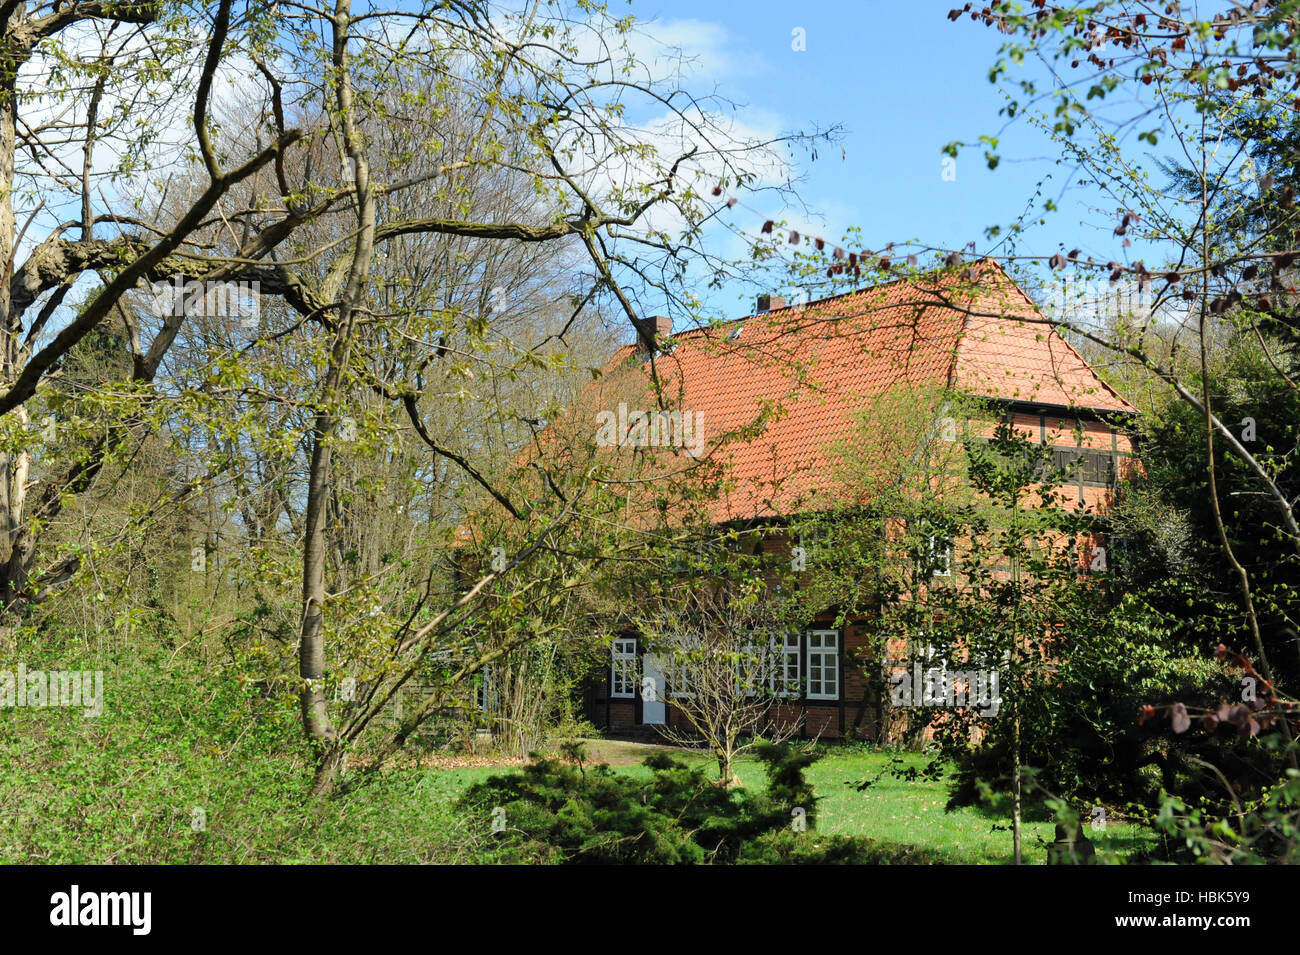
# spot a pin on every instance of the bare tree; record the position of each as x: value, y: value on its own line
x: 353, y: 190
x: 725, y: 659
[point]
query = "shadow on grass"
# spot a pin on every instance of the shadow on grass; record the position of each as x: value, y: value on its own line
x: 997, y: 808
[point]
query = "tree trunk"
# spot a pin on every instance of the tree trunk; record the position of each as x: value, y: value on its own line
x: 311, y: 649
x: 1015, y: 788
x: 329, y: 771
x: 16, y: 545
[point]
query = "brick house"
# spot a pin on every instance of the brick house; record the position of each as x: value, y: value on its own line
x: 964, y: 329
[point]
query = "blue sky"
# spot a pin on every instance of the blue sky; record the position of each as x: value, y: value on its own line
x: 903, y: 80
x: 900, y: 77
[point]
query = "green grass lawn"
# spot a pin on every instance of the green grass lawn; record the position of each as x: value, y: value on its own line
x: 912, y: 812
x: 892, y: 809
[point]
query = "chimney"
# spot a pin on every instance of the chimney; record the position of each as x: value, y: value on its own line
x: 651, y: 331
x: 769, y: 303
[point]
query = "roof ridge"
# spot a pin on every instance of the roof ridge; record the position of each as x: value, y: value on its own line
x: 829, y: 298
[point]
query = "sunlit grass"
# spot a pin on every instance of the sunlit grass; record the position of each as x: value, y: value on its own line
x: 895, y: 809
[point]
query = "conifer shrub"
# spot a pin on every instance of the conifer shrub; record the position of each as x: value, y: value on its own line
x: 567, y: 811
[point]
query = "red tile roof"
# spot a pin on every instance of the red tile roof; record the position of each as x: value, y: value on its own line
x: 961, y: 328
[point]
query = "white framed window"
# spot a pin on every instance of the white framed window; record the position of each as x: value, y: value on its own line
x: 487, y: 690
x: 940, y: 555
x: 783, y: 679
x: 770, y: 664
x: 675, y: 654
x: 814, y: 541
x: 622, y: 669
x: 751, y: 669
x: 823, y: 665
x: 677, y: 675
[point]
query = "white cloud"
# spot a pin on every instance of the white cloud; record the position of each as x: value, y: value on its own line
x: 700, y: 49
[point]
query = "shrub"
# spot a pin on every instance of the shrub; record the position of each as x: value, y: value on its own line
x: 792, y: 848
x: 566, y: 811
